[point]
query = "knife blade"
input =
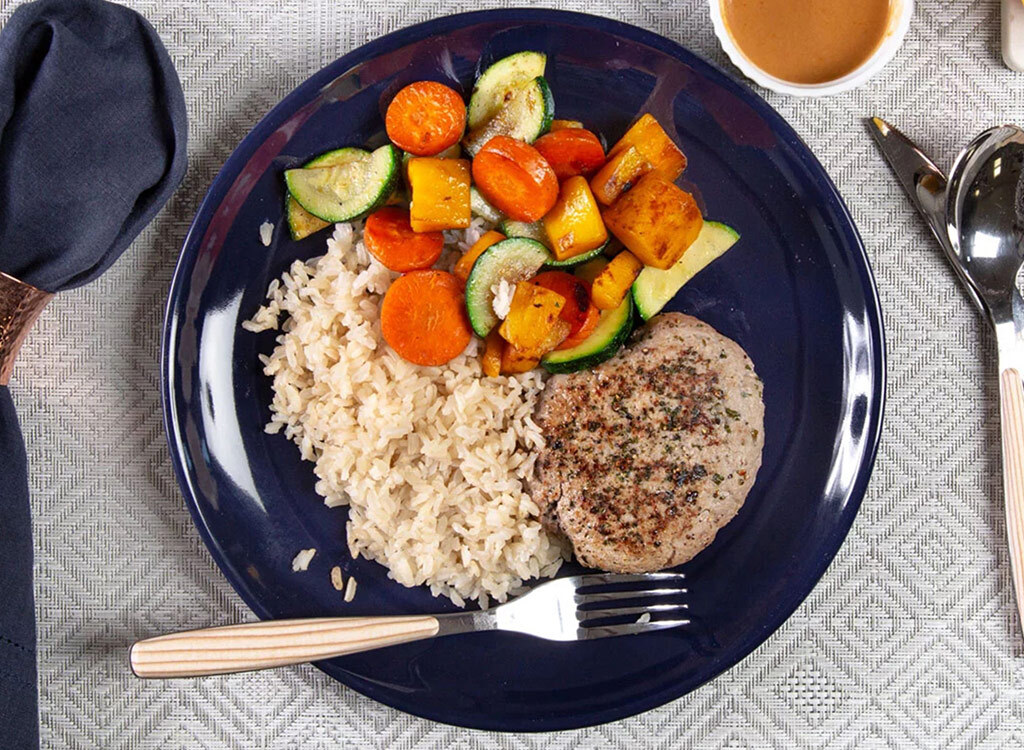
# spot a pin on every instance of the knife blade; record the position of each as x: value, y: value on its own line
x: 925, y: 185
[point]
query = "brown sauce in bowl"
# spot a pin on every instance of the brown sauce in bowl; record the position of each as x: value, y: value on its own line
x: 807, y: 41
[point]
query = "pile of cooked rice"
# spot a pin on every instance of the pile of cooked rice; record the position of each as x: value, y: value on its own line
x: 430, y: 460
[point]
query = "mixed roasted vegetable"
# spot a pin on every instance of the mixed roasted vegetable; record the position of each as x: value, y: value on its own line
x: 581, y: 237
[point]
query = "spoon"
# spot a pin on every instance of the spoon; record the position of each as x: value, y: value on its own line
x: 985, y: 224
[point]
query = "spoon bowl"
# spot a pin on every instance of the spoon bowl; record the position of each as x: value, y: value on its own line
x: 985, y: 218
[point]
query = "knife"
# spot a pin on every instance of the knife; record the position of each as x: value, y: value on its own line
x: 925, y: 184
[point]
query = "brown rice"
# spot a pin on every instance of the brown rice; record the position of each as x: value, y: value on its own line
x: 430, y: 460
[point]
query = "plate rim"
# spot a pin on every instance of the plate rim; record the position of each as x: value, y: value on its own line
x: 231, y: 169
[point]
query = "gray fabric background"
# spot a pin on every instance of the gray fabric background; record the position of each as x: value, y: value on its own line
x: 910, y: 640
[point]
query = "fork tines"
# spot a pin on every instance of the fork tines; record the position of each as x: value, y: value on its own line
x: 617, y: 603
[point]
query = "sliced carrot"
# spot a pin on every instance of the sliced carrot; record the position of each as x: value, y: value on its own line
x: 515, y: 178
x: 423, y: 317
x: 581, y: 335
x: 571, y: 152
x: 493, y: 349
x: 425, y: 118
x: 390, y: 239
x: 465, y: 263
x: 579, y: 311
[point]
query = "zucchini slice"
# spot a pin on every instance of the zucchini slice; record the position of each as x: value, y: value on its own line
x: 514, y: 259
x: 347, y: 190
x: 480, y: 206
x: 653, y: 288
x: 301, y: 223
x: 493, y: 85
x: 525, y: 115
x: 534, y: 231
x: 613, y: 328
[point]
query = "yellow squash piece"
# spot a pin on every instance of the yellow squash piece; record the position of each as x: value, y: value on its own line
x: 574, y: 225
x: 494, y: 346
x: 514, y: 361
x: 439, y: 194
x: 564, y: 124
x: 612, y: 285
x: 531, y: 319
x: 654, y: 144
x: 618, y: 174
x: 656, y: 221
x: 465, y: 264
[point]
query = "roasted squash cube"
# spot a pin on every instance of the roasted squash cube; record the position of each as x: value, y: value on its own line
x: 618, y: 174
x: 574, y: 225
x: 514, y: 361
x: 656, y: 221
x: 654, y: 144
x: 612, y: 285
x: 531, y: 318
x: 439, y: 194
x: 490, y: 361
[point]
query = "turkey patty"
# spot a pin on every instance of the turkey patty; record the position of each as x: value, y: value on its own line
x: 649, y: 454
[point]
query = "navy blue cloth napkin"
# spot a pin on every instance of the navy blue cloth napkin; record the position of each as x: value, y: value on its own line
x: 92, y: 144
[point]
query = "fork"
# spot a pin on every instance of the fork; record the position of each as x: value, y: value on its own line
x: 576, y: 608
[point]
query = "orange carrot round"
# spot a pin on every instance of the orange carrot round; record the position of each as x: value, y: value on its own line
x: 583, y: 332
x: 425, y: 118
x: 423, y: 317
x: 465, y: 263
x: 390, y: 239
x: 515, y: 178
x: 579, y: 312
x: 571, y: 152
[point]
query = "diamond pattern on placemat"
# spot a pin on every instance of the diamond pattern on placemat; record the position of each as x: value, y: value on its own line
x: 910, y: 640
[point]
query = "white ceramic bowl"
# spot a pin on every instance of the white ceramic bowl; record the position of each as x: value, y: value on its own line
x: 899, y: 22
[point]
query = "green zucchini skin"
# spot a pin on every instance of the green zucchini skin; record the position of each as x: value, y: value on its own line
x: 337, y: 157
x: 577, y: 260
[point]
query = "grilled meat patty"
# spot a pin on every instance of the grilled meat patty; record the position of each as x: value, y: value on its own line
x: 648, y: 455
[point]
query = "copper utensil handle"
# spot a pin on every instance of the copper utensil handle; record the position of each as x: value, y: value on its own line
x: 20, y: 305
x: 274, y: 643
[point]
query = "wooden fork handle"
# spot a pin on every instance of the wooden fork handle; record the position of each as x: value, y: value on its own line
x: 275, y: 643
x: 1011, y: 396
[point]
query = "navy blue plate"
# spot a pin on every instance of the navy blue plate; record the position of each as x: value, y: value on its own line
x: 796, y: 292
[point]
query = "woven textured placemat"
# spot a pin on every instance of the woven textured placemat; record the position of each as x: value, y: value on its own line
x: 910, y: 640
